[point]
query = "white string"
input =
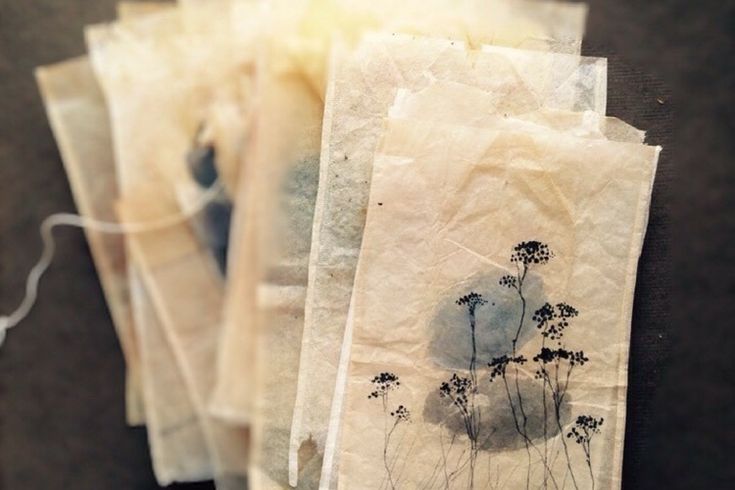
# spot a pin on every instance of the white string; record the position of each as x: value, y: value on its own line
x: 67, y: 219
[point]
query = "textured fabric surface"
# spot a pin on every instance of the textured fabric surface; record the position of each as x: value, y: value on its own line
x: 62, y: 421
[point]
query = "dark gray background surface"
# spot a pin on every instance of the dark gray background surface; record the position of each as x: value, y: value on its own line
x: 61, y: 371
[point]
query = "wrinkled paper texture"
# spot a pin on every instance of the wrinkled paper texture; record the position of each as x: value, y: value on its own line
x: 169, y: 61
x: 432, y: 285
x: 461, y: 104
x: 79, y: 120
x: 303, y: 31
x: 362, y: 88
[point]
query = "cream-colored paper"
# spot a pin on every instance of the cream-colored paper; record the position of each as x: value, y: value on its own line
x: 181, y: 278
x: 303, y: 35
x: 79, y: 116
x: 525, y: 242
x: 280, y: 194
x: 165, y: 61
x: 300, y: 38
x: 454, y: 103
x: 361, y: 91
x: 79, y: 119
x: 178, y: 447
x: 461, y: 104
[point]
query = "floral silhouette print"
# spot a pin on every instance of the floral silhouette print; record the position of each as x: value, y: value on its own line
x: 584, y: 429
x: 525, y: 256
x: 472, y: 301
x: 552, y: 321
x: 553, y: 363
x: 462, y: 390
x: 383, y: 384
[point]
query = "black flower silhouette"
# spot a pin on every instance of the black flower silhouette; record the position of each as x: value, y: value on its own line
x: 584, y: 429
x: 401, y: 414
x: 499, y: 365
x: 509, y: 281
x: 472, y: 300
x: 457, y: 389
x: 384, y: 383
x: 553, y: 320
x: 531, y: 252
x: 574, y: 358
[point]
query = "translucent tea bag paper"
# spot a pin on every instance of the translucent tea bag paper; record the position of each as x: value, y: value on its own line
x: 525, y: 24
x: 80, y: 122
x: 362, y: 88
x: 179, y: 451
x: 461, y: 104
x: 168, y: 62
x: 180, y: 276
x: 79, y: 116
x: 303, y: 31
x: 491, y: 330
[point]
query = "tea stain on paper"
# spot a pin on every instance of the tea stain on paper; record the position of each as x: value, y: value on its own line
x: 509, y: 370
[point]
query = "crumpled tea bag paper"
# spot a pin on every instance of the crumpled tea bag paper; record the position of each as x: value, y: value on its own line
x: 362, y: 88
x: 79, y: 119
x: 304, y: 33
x: 181, y: 278
x: 512, y: 288
x: 166, y: 61
x: 461, y: 104
x: 525, y: 24
x: 178, y: 448
x: 455, y: 103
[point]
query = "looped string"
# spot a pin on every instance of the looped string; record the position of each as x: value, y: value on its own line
x: 75, y: 220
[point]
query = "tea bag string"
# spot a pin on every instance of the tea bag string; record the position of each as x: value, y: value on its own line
x: 79, y: 221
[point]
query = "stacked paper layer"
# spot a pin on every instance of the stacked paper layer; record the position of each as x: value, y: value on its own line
x: 369, y: 244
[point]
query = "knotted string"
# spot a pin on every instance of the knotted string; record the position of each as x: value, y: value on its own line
x: 75, y: 220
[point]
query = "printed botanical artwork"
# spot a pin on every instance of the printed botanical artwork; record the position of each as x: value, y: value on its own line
x: 489, y: 402
x: 363, y: 86
x: 491, y: 310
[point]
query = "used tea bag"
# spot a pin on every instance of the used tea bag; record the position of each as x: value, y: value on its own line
x: 281, y: 179
x: 79, y: 119
x: 174, y: 268
x: 461, y: 104
x: 490, y: 331
x: 156, y: 61
x: 178, y: 449
x: 455, y: 103
x: 362, y: 88
x: 303, y: 37
x: 526, y: 24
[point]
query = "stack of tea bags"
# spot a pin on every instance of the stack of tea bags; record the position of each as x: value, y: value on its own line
x: 366, y: 244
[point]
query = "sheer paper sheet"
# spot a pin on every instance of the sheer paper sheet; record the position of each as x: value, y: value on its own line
x: 455, y: 103
x: 303, y: 32
x: 521, y: 267
x: 362, y: 88
x: 79, y: 117
x: 461, y: 104
x: 157, y: 61
x: 80, y: 123
x: 178, y: 447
